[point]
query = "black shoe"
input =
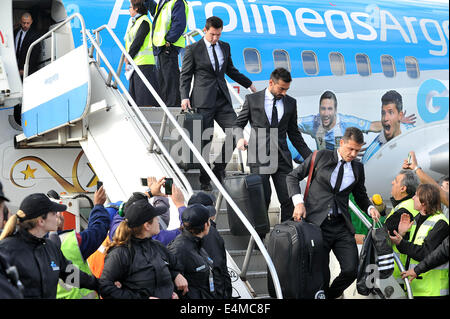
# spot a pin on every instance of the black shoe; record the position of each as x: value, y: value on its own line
x: 220, y: 176
x: 206, y: 187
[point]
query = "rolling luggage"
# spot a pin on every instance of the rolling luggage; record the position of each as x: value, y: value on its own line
x: 247, y: 192
x: 296, y: 249
x: 192, y: 123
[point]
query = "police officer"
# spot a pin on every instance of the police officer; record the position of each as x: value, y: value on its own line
x: 39, y: 261
x: 197, y: 266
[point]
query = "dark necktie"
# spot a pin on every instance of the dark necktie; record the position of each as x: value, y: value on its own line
x: 19, y: 44
x: 338, y: 184
x: 274, y: 122
x: 216, y: 60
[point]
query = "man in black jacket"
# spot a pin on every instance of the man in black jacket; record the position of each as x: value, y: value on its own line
x: 336, y: 175
x: 23, y: 38
x: 208, y: 61
x: 273, y: 116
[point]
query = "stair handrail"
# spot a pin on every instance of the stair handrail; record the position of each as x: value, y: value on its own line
x: 191, y: 146
x: 148, y: 130
x: 368, y: 224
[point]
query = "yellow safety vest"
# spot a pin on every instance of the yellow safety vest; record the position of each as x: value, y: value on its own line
x: 145, y: 54
x: 435, y: 281
x: 163, y: 23
x: 71, y: 250
x: 409, y: 206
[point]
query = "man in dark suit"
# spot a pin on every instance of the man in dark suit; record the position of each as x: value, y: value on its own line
x: 208, y: 61
x: 23, y: 38
x: 272, y: 114
x: 336, y: 174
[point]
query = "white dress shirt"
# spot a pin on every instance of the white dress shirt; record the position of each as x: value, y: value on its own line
x: 268, y: 106
x: 347, y: 180
x: 16, y: 40
x: 211, y: 55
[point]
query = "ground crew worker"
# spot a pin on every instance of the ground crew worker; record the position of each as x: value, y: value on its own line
x: 77, y: 247
x: 169, y: 24
x: 428, y: 230
x: 403, y: 189
x: 139, y: 46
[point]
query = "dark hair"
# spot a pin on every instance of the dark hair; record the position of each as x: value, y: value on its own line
x: 410, y: 181
x: 354, y: 134
x: 281, y: 73
x: 430, y: 197
x: 214, y: 22
x: 392, y: 96
x: 443, y: 179
x: 139, y: 6
x: 328, y: 95
x: 5, y: 212
x: 194, y: 230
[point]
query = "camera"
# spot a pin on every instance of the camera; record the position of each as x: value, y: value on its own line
x: 168, y: 186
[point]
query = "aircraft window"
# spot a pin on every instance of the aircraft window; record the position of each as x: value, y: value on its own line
x: 388, y: 66
x: 310, y: 65
x: 412, y: 67
x: 252, y: 60
x: 363, y: 64
x: 281, y: 59
x: 337, y: 63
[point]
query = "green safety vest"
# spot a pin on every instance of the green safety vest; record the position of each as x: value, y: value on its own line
x: 163, y: 22
x: 145, y: 54
x: 409, y: 206
x: 71, y: 250
x: 435, y: 281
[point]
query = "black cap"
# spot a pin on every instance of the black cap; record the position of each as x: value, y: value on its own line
x: 139, y: 212
x: 2, y: 195
x: 206, y: 200
x: 39, y: 204
x: 196, y: 215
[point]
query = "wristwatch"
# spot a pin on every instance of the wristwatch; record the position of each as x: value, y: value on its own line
x: 149, y: 192
x: 417, y: 167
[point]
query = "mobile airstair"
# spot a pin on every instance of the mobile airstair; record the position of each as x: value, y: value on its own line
x: 78, y: 99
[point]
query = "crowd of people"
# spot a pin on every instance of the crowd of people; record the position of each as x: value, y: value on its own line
x: 127, y: 251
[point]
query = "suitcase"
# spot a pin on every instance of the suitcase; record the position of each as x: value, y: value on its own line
x: 296, y: 249
x: 192, y: 123
x: 247, y: 192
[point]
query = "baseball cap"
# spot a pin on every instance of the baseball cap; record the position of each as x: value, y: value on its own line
x: 139, y: 212
x: 38, y: 204
x: 196, y: 215
x: 2, y: 195
x: 206, y: 200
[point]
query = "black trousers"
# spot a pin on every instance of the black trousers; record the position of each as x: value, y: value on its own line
x: 224, y: 114
x: 169, y: 76
x: 279, y: 181
x: 338, y: 238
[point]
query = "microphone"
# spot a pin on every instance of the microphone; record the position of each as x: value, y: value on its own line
x: 377, y: 200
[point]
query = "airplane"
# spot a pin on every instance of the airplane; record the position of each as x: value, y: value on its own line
x: 358, y: 50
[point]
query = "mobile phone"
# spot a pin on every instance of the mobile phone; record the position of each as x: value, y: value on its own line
x: 99, y: 184
x: 409, y: 158
x: 168, y: 186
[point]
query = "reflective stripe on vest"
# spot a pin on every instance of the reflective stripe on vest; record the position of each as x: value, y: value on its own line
x: 145, y: 54
x: 71, y: 250
x: 409, y: 206
x: 435, y: 281
x: 163, y: 23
